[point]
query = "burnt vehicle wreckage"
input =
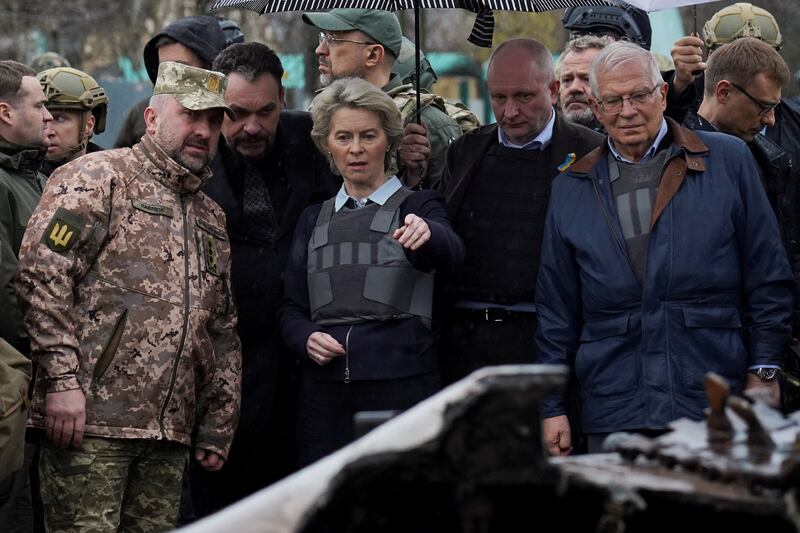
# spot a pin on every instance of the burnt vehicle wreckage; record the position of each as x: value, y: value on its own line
x: 471, y: 459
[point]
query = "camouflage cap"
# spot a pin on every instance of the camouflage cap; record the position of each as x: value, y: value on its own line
x: 195, y: 88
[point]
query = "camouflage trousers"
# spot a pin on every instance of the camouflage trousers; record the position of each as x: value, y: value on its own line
x: 112, y: 485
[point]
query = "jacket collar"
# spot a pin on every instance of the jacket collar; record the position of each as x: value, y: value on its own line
x: 21, y: 158
x: 692, y: 147
x: 166, y: 170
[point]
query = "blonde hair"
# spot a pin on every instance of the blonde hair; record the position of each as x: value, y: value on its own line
x: 356, y: 93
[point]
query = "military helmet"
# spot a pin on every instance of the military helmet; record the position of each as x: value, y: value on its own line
x: 742, y: 20
x: 405, y: 66
x: 69, y: 88
x: 623, y: 21
x: 47, y: 60
x: 233, y: 33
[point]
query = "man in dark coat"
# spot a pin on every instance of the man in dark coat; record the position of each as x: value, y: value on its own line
x: 193, y: 41
x: 268, y: 171
x: 742, y: 91
x: 496, y: 185
x: 661, y: 261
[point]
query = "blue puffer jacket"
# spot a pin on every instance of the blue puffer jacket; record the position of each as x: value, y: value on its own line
x: 716, y: 295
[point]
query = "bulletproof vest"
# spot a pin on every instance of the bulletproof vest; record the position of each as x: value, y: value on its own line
x: 358, y: 272
x: 501, y: 221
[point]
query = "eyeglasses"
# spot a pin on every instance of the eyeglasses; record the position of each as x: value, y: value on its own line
x: 612, y: 105
x: 765, y: 108
x: 330, y: 40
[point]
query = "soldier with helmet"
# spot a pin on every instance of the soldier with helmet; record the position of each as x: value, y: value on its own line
x: 620, y: 23
x: 79, y: 106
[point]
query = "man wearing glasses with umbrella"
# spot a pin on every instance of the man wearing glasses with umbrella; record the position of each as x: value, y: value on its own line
x: 364, y: 43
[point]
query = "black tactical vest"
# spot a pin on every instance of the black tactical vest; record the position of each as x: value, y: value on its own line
x: 358, y: 272
x: 501, y: 221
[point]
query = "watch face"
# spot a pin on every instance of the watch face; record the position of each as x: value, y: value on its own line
x: 767, y: 374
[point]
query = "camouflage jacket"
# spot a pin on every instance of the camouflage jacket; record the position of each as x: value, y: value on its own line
x: 125, y: 283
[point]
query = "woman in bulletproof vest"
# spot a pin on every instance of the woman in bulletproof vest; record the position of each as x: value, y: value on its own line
x: 359, y: 279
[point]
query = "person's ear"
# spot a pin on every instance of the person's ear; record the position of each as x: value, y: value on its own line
x: 722, y: 91
x: 151, y: 120
x: 6, y: 114
x: 374, y: 55
x: 89, y: 128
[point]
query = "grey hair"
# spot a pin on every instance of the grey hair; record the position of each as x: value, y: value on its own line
x: 356, y: 93
x: 617, y: 53
x: 157, y: 101
x: 536, y: 51
x: 578, y: 45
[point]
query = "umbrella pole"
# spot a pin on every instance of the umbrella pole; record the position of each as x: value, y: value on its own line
x: 416, y: 56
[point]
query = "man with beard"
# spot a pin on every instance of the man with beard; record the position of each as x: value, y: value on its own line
x: 572, y: 69
x: 267, y: 172
x: 125, y: 284
x: 365, y: 43
x: 24, y: 129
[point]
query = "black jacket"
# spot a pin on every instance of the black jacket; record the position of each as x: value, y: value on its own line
x: 258, y: 266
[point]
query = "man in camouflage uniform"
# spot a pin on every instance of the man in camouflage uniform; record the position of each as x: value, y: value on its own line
x: 364, y: 43
x: 125, y: 279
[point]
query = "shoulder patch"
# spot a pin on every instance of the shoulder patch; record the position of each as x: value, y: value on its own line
x: 213, y: 230
x: 63, y: 231
x: 153, y: 209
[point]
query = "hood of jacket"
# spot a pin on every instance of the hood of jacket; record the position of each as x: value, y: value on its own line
x: 201, y: 34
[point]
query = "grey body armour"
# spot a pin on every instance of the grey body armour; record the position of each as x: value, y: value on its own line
x: 358, y: 272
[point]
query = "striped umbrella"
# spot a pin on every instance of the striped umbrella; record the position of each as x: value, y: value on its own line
x: 481, y: 32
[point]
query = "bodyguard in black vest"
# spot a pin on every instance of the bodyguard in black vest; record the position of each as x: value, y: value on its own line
x: 359, y: 280
x: 496, y: 185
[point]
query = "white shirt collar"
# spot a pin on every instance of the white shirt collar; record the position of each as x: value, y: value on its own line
x: 650, y: 151
x: 379, y: 195
x: 539, y: 142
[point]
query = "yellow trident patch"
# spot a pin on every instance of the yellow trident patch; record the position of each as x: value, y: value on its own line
x: 212, y: 84
x: 60, y: 235
x: 63, y: 231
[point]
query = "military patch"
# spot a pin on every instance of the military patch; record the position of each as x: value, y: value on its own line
x: 210, y: 252
x: 63, y: 231
x: 212, y: 84
x: 213, y: 230
x: 153, y: 209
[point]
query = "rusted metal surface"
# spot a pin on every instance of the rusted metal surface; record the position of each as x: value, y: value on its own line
x: 471, y: 459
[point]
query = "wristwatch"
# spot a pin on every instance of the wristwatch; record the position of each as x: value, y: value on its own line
x: 767, y: 375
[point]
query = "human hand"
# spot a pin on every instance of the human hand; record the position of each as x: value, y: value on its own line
x: 769, y: 392
x: 414, y: 151
x: 414, y: 233
x: 556, y: 435
x: 209, y: 460
x: 687, y: 55
x: 322, y: 348
x: 65, y: 417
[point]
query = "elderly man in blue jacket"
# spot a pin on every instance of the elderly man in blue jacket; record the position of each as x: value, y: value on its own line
x: 661, y: 261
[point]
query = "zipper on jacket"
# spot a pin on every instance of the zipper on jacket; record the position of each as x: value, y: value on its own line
x: 110, y: 348
x: 613, y: 230
x: 347, y: 356
x: 186, y: 306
